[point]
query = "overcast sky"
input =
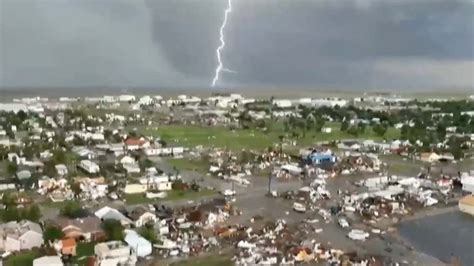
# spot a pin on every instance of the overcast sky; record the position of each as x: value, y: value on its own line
x: 321, y: 44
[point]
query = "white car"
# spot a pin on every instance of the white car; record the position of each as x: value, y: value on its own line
x: 228, y: 193
x: 357, y: 234
x: 298, y: 207
x: 343, y: 222
x: 151, y: 207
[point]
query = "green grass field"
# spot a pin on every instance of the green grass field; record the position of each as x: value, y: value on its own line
x: 22, y: 259
x: 191, y: 136
x: 184, y: 164
x: 398, y: 166
x: 83, y: 250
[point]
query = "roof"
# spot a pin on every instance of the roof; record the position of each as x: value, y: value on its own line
x: 86, y: 225
x: 68, y: 242
x: 48, y: 260
x: 137, y: 212
x: 24, y: 174
x: 110, y: 213
x: 133, y: 141
x: 60, y: 166
x: 468, y: 200
x: 135, y: 240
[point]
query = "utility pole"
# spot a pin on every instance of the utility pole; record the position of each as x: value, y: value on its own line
x: 270, y: 183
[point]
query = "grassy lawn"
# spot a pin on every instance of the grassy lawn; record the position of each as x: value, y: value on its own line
x: 191, y: 136
x: 197, y: 165
x: 173, y: 195
x: 252, y: 139
x: 54, y: 205
x: 22, y: 259
x: 206, y: 261
x: 189, y: 195
x: 398, y: 166
x: 83, y: 250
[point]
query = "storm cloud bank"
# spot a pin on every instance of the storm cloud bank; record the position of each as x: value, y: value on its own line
x: 359, y: 44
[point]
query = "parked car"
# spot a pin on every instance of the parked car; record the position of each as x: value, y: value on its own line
x: 298, y: 207
x: 343, y: 222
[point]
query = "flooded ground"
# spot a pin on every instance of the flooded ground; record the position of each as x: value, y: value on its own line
x: 445, y: 236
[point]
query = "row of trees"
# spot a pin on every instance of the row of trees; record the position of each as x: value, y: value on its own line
x: 14, y: 212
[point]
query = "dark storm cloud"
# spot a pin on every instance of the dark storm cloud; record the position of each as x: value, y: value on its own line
x: 81, y: 43
x: 306, y: 43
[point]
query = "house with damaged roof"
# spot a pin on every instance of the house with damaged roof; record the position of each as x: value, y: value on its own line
x: 16, y: 236
x: 81, y: 229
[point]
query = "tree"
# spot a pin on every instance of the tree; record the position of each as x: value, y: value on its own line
x: 10, y: 134
x: 304, y: 111
x: 380, y: 129
x: 11, y: 214
x: 52, y: 233
x: 76, y: 189
x: 245, y: 157
x: 33, y: 213
x: 59, y: 156
x: 8, y: 200
x: 344, y: 125
x: 146, y: 163
x: 12, y: 168
x: 148, y: 233
x: 361, y: 128
x: 72, y: 209
x: 319, y: 124
x: 113, y: 229
x: 22, y: 116
x: 353, y: 131
x: 49, y: 168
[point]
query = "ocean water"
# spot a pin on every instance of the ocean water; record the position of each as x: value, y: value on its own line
x: 443, y: 236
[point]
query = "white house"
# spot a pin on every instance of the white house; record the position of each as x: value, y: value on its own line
x: 282, y: 103
x: 329, y: 102
x: 164, y: 151
x: 48, y: 261
x: 145, y: 100
x: 89, y: 166
x: 126, y: 98
x: 326, y: 130
x: 140, y: 246
x: 467, y: 183
x: 23, y: 235
x: 127, y: 160
x: 131, y: 168
x: 61, y: 169
x: 141, y: 216
x: 13, y: 107
x: 304, y: 101
x: 114, y: 253
x: 113, y: 214
x: 161, y: 183
x: 135, y: 188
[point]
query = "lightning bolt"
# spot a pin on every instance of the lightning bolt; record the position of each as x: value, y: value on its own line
x: 220, y: 67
